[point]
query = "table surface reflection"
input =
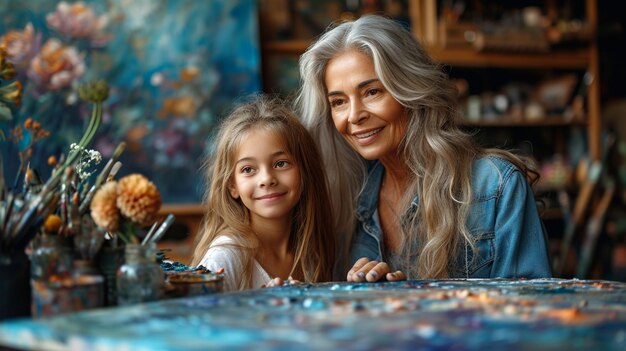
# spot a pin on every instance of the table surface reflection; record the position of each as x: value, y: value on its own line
x: 474, y: 314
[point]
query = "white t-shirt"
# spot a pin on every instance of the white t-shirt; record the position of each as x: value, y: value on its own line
x: 230, y: 258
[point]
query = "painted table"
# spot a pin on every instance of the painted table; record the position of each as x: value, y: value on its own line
x: 545, y: 314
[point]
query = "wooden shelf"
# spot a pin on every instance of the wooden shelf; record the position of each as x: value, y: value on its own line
x: 183, y: 210
x: 509, y: 122
x: 571, y: 59
x: 286, y: 47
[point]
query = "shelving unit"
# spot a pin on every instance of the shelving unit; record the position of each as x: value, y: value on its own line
x: 573, y: 59
x: 578, y: 59
x: 564, y: 229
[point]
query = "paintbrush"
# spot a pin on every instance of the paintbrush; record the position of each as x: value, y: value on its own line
x: 26, y: 182
x: 116, y: 168
x: 2, y: 183
x: 5, y: 213
x: 65, y: 198
x: 35, y: 216
x: 104, y: 174
x: 6, y: 227
x: 27, y: 217
x: 73, y: 224
x: 84, y: 190
x: 32, y: 181
x: 48, y: 205
x: 169, y: 220
x: 107, y: 171
x: 150, y: 232
x: 86, y: 202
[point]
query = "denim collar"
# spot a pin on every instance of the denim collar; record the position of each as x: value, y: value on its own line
x: 368, y: 198
x: 367, y: 202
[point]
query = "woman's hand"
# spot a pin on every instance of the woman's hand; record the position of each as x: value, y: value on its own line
x: 372, y: 271
x: 279, y: 282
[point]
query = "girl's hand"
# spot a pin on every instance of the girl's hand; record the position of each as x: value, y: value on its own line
x: 272, y: 283
x: 372, y: 271
x: 279, y: 282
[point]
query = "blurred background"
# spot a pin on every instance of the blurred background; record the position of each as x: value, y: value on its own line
x: 541, y: 78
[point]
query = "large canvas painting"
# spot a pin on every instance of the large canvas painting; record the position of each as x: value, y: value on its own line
x: 175, y: 67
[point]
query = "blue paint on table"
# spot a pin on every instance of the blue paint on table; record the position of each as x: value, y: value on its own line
x: 543, y: 314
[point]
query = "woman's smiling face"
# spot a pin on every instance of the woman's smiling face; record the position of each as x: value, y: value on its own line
x: 363, y: 111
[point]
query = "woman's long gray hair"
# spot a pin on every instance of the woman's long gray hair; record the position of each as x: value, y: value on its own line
x: 437, y: 153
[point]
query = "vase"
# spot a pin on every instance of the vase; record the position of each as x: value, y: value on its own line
x: 14, y: 285
x: 140, y: 278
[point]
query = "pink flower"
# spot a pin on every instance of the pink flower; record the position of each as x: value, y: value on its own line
x: 56, y: 66
x: 78, y: 21
x: 21, y: 46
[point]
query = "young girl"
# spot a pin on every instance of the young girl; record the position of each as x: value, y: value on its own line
x: 268, y: 206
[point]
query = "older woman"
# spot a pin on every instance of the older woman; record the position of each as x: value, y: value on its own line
x: 418, y: 197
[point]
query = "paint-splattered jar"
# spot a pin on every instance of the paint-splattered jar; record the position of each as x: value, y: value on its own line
x: 51, y: 259
x: 140, y: 278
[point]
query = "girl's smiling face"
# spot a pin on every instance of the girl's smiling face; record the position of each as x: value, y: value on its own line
x: 266, y: 177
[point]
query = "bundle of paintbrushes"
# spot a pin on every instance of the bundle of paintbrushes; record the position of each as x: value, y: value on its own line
x: 22, y: 212
x: 68, y: 205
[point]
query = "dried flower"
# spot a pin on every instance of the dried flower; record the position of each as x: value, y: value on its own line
x: 52, y: 160
x: 86, y: 159
x: 104, y: 211
x: 120, y: 207
x: 34, y: 132
x: 52, y: 224
x: 95, y: 91
x: 138, y: 199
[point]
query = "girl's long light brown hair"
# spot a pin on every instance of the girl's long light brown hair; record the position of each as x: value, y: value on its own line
x: 312, y: 240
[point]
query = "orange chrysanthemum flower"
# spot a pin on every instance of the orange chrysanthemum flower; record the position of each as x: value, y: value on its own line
x: 104, y: 209
x: 138, y: 199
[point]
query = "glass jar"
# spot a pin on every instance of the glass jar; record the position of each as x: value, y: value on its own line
x: 140, y: 278
x: 51, y: 259
x: 89, y: 240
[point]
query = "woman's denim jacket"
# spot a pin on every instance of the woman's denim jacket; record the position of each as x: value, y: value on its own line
x: 510, y: 236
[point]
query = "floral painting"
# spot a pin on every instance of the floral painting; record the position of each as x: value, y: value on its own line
x: 175, y: 67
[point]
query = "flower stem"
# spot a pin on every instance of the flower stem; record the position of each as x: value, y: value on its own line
x: 30, y: 215
x: 94, y: 123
